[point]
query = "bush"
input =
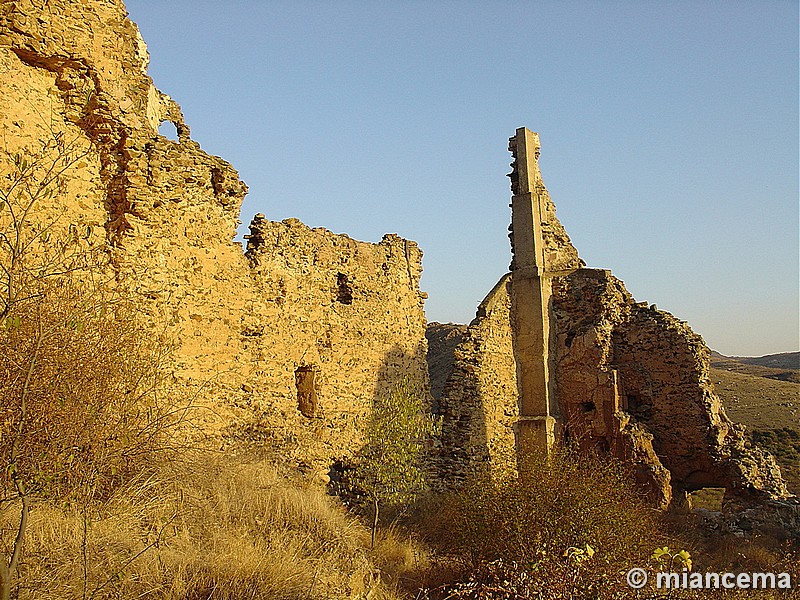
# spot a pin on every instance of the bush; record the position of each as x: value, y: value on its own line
x: 570, y: 529
x: 82, y: 392
x: 784, y: 444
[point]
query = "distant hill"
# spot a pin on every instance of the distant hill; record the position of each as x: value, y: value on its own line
x: 784, y: 360
x: 784, y: 366
x: 763, y: 393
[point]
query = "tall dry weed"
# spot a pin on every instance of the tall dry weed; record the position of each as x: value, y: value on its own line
x: 206, y: 528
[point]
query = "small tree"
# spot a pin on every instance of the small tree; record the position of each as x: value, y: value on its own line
x: 390, y: 469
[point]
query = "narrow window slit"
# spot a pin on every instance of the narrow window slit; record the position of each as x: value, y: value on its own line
x: 305, y: 381
x: 344, y: 293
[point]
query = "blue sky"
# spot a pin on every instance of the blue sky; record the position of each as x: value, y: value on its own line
x: 669, y: 136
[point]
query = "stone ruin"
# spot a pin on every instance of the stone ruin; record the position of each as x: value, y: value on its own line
x: 286, y: 345
x: 560, y: 351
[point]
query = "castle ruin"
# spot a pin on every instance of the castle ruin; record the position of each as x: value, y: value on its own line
x: 287, y: 344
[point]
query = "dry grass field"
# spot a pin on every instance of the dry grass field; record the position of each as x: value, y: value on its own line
x: 211, y: 527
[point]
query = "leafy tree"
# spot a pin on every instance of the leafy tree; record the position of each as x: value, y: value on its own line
x: 390, y: 470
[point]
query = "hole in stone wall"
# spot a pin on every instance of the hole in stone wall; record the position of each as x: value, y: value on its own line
x: 168, y: 130
x: 588, y: 407
x: 344, y: 293
x: 569, y: 339
x: 633, y: 402
x: 709, y: 498
x: 305, y: 381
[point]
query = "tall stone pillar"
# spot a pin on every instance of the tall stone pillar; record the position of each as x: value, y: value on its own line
x: 530, y: 302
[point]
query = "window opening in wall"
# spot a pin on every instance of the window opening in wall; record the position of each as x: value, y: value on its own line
x: 588, y: 407
x: 344, y: 293
x: 708, y: 498
x: 168, y: 130
x: 305, y: 381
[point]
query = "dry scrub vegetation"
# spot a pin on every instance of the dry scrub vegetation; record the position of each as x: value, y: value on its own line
x: 220, y: 527
x: 567, y: 531
x: 572, y: 531
x: 208, y: 527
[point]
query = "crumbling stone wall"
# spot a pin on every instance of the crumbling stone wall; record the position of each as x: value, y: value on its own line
x: 442, y: 340
x: 479, y: 399
x: 628, y: 379
x: 589, y: 306
x: 165, y: 214
x: 349, y: 312
x: 665, y: 372
x: 558, y: 253
x: 632, y: 381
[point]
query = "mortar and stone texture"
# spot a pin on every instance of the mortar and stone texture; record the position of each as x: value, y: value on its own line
x: 289, y: 343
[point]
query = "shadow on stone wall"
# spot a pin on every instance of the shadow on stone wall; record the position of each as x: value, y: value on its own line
x: 400, y: 364
x: 478, y: 402
x: 463, y: 450
x: 402, y: 372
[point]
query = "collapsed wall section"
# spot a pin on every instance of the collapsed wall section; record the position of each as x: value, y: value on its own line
x: 665, y: 372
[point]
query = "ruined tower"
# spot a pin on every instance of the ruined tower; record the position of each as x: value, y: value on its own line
x: 561, y: 351
x: 530, y: 299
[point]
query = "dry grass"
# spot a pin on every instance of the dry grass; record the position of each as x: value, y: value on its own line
x: 218, y: 528
x: 210, y: 530
x: 404, y: 560
x: 708, y: 498
x: 531, y: 536
x: 758, y: 402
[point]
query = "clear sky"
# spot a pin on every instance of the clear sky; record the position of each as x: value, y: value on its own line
x: 669, y: 136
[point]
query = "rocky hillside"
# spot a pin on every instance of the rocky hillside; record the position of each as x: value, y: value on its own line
x: 442, y: 341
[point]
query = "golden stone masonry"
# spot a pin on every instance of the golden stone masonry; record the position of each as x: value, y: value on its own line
x: 287, y: 344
